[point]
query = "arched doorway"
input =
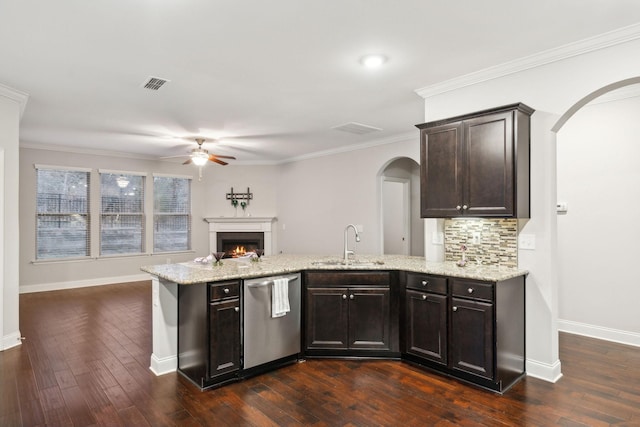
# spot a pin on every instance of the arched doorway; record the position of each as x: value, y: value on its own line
x: 401, y: 228
x: 597, y: 177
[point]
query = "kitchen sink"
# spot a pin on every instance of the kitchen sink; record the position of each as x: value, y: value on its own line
x: 328, y: 263
x: 353, y: 263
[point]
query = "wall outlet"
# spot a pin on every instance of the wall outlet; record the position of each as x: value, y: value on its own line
x: 527, y: 242
x: 437, y: 238
x: 475, y: 238
x: 562, y: 208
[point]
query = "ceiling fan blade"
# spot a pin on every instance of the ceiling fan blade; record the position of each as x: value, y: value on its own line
x: 217, y: 156
x: 218, y: 161
x: 186, y: 162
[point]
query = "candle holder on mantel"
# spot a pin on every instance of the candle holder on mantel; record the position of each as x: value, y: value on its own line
x: 240, y: 198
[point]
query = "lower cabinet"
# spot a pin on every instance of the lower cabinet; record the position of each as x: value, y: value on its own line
x: 469, y: 329
x: 349, y: 313
x: 427, y: 325
x: 209, y: 332
x: 224, y: 337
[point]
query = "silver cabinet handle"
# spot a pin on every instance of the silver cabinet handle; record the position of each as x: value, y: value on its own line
x: 237, y: 309
x: 424, y: 297
x: 351, y: 296
x: 455, y: 308
x: 425, y: 282
x: 344, y: 296
x: 458, y: 207
x: 226, y: 290
x: 470, y: 290
x: 465, y: 207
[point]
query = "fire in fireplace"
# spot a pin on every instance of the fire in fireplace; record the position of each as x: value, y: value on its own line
x: 236, y: 244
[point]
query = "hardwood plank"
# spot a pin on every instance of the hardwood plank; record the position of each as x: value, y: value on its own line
x: 86, y: 361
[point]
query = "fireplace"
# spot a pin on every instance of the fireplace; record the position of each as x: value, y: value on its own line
x: 241, y: 225
x: 237, y: 244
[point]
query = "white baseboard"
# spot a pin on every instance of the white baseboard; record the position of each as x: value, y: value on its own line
x: 56, y: 286
x: 163, y: 366
x: 544, y: 371
x: 600, y: 332
x: 11, y: 340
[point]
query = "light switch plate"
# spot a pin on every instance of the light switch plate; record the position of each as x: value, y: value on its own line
x: 527, y: 242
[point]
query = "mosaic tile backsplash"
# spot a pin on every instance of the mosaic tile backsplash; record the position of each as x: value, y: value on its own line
x: 488, y: 241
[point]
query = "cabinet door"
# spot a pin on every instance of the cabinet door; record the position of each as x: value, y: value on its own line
x: 472, y: 337
x: 369, y: 322
x: 489, y: 160
x: 326, y: 318
x: 441, y: 174
x: 427, y: 325
x: 224, y: 337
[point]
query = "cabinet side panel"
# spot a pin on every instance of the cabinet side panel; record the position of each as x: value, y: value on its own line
x: 523, y: 166
x: 510, y: 329
x: 192, y: 331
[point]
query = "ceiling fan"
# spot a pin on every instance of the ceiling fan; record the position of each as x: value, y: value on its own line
x: 199, y: 156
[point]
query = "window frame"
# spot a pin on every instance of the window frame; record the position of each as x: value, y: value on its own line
x: 188, y: 215
x: 141, y: 214
x: 87, y: 214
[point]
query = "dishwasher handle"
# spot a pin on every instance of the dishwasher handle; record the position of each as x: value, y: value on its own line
x: 269, y: 282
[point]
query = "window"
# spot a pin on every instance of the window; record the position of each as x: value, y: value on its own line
x: 121, y: 213
x: 62, y: 213
x: 171, y: 214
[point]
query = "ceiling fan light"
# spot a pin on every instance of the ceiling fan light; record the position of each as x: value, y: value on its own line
x: 122, y: 181
x: 199, y: 158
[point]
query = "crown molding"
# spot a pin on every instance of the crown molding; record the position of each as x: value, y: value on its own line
x: 402, y: 137
x: 20, y: 97
x: 560, y: 53
x: 82, y: 150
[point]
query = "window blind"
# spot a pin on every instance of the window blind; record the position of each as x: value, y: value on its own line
x: 171, y: 213
x: 62, y: 213
x: 121, y: 213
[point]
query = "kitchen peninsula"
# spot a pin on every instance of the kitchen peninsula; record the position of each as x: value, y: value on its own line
x: 465, y: 322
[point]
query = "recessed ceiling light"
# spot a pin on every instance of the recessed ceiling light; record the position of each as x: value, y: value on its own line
x: 373, y: 61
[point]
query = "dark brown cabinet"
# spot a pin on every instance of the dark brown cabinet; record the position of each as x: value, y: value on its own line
x: 473, y: 330
x: 426, y: 317
x: 224, y: 338
x: 348, y: 313
x: 209, y: 332
x: 476, y: 164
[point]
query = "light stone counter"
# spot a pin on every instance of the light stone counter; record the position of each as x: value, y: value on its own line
x: 167, y: 278
x: 191, y: 272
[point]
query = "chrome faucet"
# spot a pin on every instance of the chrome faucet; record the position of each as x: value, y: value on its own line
x: 347, y: 251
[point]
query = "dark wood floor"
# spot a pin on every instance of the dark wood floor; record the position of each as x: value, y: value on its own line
x: 85, y: 361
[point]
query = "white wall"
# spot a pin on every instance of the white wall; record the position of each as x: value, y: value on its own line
x: 552, y: 89
x: 11, y: 103
x: 66, y: 274
x: 318, y: 197
x: 598, y: 175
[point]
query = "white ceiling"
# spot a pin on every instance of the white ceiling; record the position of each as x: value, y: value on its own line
x: 267, y: 79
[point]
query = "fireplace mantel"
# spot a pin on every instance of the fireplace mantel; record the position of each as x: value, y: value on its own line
x: 241, y: 224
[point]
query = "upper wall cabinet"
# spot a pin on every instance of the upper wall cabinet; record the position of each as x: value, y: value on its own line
x: 476, y: 164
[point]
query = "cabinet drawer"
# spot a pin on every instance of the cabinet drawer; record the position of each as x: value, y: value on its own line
x: 424, y: 282
x: 471, y: 289
x: 225, y: 290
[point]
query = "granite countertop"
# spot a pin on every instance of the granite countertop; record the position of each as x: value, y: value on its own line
x: 188, y: 273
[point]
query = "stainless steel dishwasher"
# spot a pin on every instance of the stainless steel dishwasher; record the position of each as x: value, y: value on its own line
x: 269, y: 340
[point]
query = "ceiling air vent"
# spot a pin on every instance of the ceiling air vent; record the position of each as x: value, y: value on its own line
x: 357, y: 128
x: 154, y: 83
